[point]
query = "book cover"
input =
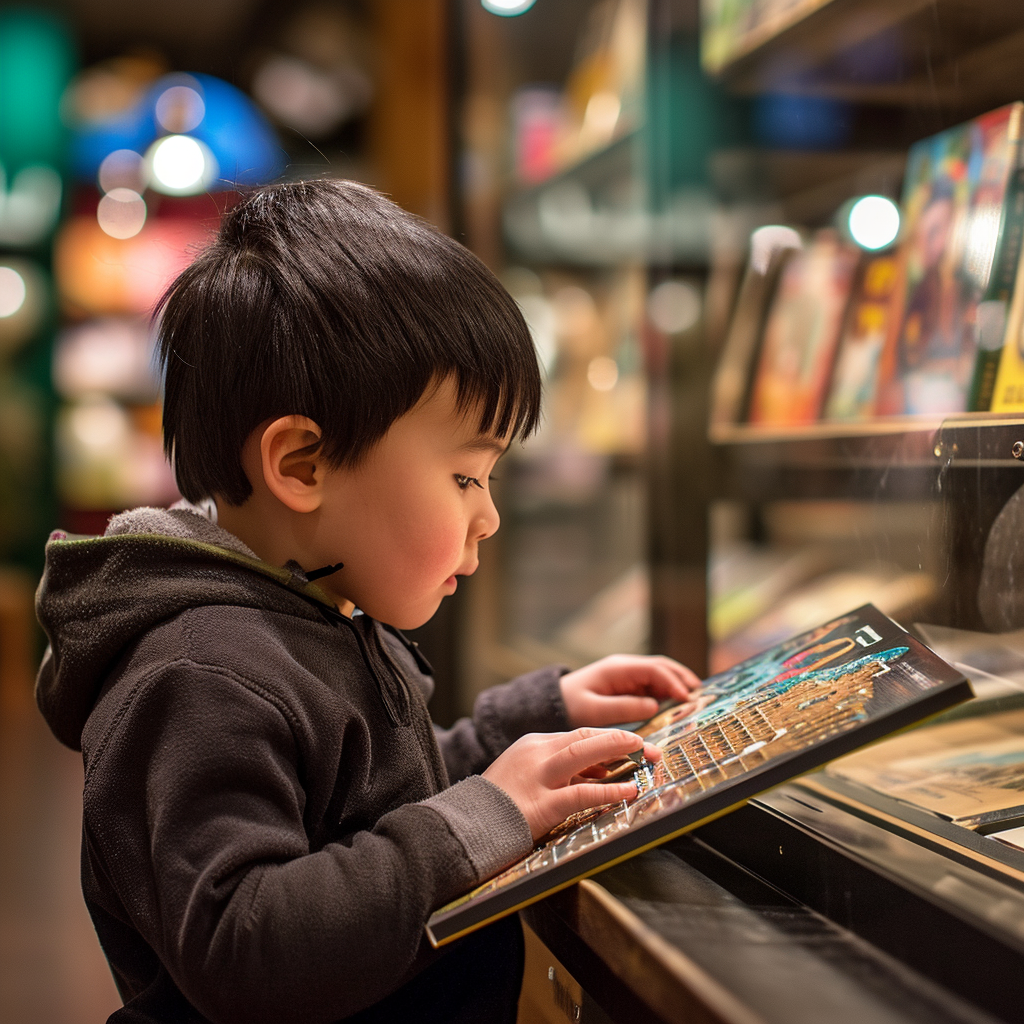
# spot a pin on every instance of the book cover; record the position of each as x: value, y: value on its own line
x: 954, y: 247
x: 969, y: 771
x: 791, y: 709
x: 1008, y: 390
x: 802, y: 333
x: 852, y: 391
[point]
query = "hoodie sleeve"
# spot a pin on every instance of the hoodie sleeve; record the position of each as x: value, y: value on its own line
x: 529, y: 703
x: 196, y: 821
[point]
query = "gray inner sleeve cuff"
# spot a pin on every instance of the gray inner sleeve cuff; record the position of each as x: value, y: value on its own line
x: 487, y: 822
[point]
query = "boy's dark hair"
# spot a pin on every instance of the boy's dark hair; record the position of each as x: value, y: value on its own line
x: 323, y: 299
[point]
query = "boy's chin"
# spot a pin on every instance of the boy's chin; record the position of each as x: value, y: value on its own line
x: 410, y: 618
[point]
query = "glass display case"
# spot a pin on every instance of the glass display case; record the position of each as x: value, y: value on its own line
x: 840, y: 184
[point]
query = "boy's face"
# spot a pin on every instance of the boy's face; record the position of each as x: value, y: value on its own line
x: 407, y: 520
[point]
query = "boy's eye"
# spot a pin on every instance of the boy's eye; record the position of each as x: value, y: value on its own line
x: 465, y: 481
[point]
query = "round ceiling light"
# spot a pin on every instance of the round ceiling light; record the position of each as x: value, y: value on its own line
x: 180, y: 165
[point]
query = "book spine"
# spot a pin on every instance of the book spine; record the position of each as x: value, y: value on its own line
x: 1000, y: 290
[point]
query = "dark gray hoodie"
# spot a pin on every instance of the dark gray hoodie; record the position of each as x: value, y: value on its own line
x: 269, y: 815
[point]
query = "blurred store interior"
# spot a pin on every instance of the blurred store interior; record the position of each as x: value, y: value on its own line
x: 643, y: 176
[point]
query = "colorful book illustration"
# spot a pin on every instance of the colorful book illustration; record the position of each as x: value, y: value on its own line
x: 960, y: 242
x: 969, y: 771
x: 802, y: 333
x: 855, y: 378
x: 791, y: 709
x: 1008, y: 390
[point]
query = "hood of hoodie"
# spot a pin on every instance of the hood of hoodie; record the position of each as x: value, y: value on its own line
x: 98, y: 595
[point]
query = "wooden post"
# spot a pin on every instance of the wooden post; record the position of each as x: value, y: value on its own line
x: 409, y: 122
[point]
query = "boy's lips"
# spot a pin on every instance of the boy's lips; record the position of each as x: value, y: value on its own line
x: 452, y: 580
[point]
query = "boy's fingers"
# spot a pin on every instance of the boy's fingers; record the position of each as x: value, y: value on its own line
x: 584, y: 795
x: 652, y: 753
x: 587, y: 747
x: 625, y: 709
x: 672, y: 679
x: 657, y: 676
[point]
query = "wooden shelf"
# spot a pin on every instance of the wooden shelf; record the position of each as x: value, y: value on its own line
x: 956, y: 54
x: 807, y: 186
x: 811, y: 459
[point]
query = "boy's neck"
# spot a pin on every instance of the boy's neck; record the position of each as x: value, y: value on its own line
x: 262, y: 530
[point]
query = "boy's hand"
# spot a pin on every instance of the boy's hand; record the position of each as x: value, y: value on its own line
x: 540, y: 770
x: 625, y: 688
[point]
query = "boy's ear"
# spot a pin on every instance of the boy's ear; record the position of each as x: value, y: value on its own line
x: 289, y: 455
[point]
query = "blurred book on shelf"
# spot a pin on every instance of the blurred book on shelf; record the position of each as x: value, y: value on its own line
x: 602, y: 100
x: 1008, y: 387
x: 731, y: 28
x: 616, y: 620
x: 747, y: 579
x: 770, y: 249
x: 929, y: 328
x: 852, y: 391
x: 955, y: 246
x: 897, y: 592
x: 802, y: 332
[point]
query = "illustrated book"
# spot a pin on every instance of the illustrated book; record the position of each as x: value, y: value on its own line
x: 957, y: 259
x: 851, y: 393
x: 1008, y: 390
x: 969, y: 771
x: 802, y: 333
x: 768, y: 719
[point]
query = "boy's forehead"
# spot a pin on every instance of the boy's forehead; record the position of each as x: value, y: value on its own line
x: 460, y: 420
x: 486, y: 443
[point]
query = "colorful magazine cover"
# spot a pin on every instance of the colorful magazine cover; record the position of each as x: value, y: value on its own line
x: 789, y: 710
x: 953, y: 209
x: 969, y: 771
x: 1008, y: 393
x: 802, y: 333
x: 855, y: 378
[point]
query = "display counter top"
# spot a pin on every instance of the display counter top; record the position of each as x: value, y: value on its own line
x: 686, y: 934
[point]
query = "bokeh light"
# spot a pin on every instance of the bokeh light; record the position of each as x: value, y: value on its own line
x: 765, y: 242
x: 12, y: 291
x: 180, y: 109
x: 602, y: 373
x: 124, y: 168
x: 30, y: 207
x: 674, y: 306
x: 121, y: 213
x: 180, y: 165
x: 874, y: 222
x: 98, y: 424
x: 507, y: 8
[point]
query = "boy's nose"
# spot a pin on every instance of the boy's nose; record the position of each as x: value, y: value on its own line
x: 487, y: 522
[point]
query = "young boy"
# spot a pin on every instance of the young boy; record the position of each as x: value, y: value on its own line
x: 269, y: 816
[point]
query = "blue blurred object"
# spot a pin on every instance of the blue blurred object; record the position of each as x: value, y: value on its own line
x: 133, y: 129
x: 801, y: 122
x: 237, y: 134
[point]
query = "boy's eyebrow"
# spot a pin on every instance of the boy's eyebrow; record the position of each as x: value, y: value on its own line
x: 485, y: 444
